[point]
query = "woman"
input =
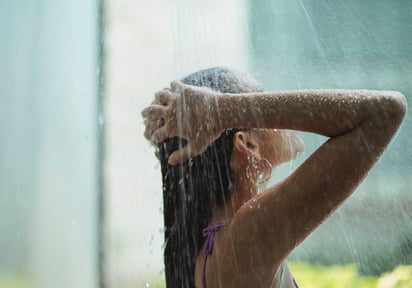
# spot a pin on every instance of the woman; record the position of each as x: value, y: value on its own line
x: 219, y: 136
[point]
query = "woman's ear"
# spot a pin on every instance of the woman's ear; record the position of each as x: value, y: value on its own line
x: 246, y: 143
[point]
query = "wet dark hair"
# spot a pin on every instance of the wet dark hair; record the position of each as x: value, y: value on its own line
x: 192, y: 190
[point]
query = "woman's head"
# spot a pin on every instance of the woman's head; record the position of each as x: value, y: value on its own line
x: 192, y: 190
x: 213, y: 166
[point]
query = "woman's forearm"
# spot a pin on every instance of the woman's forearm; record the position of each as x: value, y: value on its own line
x: 327, y: 112
x: 200, y: 116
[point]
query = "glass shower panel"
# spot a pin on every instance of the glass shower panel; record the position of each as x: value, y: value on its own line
x: 48, y: 149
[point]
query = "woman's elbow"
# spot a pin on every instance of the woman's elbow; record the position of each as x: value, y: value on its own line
x: 394, y: 106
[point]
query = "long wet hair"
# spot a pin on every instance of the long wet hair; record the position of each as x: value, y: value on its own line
x: 192, y: 190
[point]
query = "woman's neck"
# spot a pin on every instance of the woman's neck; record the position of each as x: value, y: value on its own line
x: 239, y: 195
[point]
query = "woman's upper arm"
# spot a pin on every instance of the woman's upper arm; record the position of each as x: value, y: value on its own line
x: 281, y: 217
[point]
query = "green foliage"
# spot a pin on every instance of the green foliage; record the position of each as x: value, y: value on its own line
x: 311, y: 276
x: 13, y: 281
x: 400, y: 277
x: 306, y: 275
x: 155, y: 283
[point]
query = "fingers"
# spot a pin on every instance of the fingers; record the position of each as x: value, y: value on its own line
x: 154, y: 111
x: 158, y: 135
x: 178, y: 86
x: 154, y: 118
x: 162, y: 97
x: 175, y: 85
x: 180, y: 156
x: 185, y: 153
x: 152, y: 126
x: 160, y: 116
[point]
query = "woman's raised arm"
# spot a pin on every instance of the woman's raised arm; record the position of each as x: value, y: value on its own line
x: 359, y: 124
x: 200, y: 115
x: 327, y: 112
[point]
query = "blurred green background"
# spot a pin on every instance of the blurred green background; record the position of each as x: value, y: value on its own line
x: 313, y: 276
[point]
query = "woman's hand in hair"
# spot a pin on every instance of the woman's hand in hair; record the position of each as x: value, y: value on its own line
x: 187, y: 112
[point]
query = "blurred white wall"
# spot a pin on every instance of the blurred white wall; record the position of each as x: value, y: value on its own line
x: 149, y: 44
x: 48, y: 147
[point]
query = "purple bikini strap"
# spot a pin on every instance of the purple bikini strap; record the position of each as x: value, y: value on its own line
x: 209, y: 232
